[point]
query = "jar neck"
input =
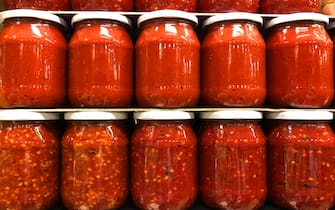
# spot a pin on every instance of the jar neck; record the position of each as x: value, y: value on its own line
x: 32, y: 21
x: 233, y: 23
x: 157, y: 22
x: 96, y: 123
x: 106, y: 23
x: 298, y: 24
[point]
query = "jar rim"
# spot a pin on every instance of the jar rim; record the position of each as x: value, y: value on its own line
x: 103, y: 15
x: 22, y: 115
x: 308, y: 115
x: 231, y: 115
x: 301, y: 16
x: 163, y: 115
x: 167, y: 13
x: 31, y: 13
x: 98, y: 115
x: 233, y: 16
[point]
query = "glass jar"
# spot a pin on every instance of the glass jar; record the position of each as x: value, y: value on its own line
x: 163, y: 160
x: 151, y: 5
x: 301, y: 167
x: 233, y: 61
x: 293, y: 80
x: 37, y: 4
x: 289, y: 6
x: 232, y: 173
x: 111, y: 5
x: 100, y: 60
x: 229, y: 5
x: 33, y: 59
x: 29, y: 153
x: 95, y: 160
x: 167, y: 60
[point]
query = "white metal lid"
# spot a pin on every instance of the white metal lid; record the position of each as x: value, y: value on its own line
x: 102, y: 16
x: 302, y: 16
x: 95, y: 115
x: 163, y: 115
x: 167, y: 14
x: 30, y: 13
x: 231, y: 115
x: 233, y: 16
x: 300, y: 115
x: 18, y: 115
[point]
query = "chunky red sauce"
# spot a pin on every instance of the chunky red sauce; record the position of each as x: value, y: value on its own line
x: 167, y: 64
x: 232, y: 164
x: 100, y: 65
x: 37, y: 4
x: 33, y: 64
x: 29, y: 166
x: 94, y: 165
x: 111, y: 5
x: 233, y: 65
x: 289, y: 6
x: 151, y: 5
x: 300, y: 65
x: 229, y: 5
x: 164, y: 165
x: 301, y: 165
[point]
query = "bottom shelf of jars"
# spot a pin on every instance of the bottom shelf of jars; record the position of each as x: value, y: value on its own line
x: 197, y: 206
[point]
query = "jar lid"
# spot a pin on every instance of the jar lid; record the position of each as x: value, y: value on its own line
x: 300, y: 115
x: 18, y: 115
x: 231, y: 115
x: 302, y: 16
x: 233, y: 16
x: 95, y: 116
x: 163, y: 115
x: 161, y: 14
x: 30, y: 13
x: 101, y: 16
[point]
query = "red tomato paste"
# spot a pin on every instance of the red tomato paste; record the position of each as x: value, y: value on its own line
x: 229, y: 5
x: 301, y: 165
x: 289, y: 6
x: 299, y: 61
x: 232, y: 160
x: 94, y: 161
x: 167, y: 60
x: 29, y: 153
x: 111, y: 5
x: 100, y: 61
x: 233, y: 61
x: 163, y: 161
x: 151, y: 5
x: 37, y: 4
x: 33, y: 59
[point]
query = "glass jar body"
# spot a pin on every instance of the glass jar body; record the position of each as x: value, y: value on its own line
x: 29, y: 165
x: 100, y: 65
x: 251, y: 6
x: 300, y: 82
x: 167, y: 64
x: 33, y: 71
x: 151, y: 5
x: 232, y: 164
x: 110, y: 5
x: 94, y: 165
x: 300, y: 165
x: 290, y: 6
x: 233, y: 71
x: 53, y: 5
x: 163, y: 165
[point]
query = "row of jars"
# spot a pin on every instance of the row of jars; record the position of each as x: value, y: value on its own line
x: 233, y: 66
x: 254, y: 6
x: 227, y: 162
